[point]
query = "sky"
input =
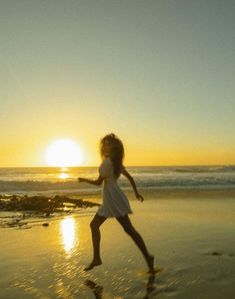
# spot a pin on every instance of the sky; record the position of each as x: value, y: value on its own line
x: 158, y: 74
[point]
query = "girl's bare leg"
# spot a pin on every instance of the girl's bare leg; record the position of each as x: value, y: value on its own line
x: 95, y: 231
x: 136, y: 237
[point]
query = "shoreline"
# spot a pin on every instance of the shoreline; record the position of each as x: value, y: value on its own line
x: 98, y: 191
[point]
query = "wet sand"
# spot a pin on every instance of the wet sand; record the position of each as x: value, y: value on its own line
x: 192, y: 239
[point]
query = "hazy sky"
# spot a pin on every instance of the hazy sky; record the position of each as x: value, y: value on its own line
x: 159, y: 74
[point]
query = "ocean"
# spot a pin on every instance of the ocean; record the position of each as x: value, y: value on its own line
x: 33, y: 180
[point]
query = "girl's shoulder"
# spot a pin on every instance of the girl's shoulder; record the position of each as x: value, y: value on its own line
x: 105, y: 168
x: 106, y: 162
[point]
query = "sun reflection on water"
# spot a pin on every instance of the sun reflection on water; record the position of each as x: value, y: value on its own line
x: 68, y: 233
x: 64, y: 175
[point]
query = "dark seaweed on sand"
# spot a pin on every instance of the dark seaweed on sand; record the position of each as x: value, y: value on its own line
x: 42, y: 204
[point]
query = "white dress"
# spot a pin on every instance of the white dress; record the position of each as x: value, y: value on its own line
x: 115, y: 203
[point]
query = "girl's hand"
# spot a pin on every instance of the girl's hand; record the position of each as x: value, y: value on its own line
x: 139, y: 197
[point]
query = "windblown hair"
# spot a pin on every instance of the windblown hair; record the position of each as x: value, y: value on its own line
x: 116, y: 152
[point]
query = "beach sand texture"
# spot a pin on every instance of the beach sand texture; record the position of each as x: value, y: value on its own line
x: 192, y: 239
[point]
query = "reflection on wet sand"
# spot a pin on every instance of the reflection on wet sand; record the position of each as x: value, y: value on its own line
x: 69, y: 236
x: 65, y: 270
x: 98, y: 289
x: 150, y: 285
x: 95, y: 288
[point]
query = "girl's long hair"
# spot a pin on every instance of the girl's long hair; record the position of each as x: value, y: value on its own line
x: 116, y: 153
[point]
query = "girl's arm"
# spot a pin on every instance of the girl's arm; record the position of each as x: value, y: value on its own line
x: 130, y: 178
x: 93, y: 182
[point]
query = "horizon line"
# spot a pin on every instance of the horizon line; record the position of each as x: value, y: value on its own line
x: 95, y: 166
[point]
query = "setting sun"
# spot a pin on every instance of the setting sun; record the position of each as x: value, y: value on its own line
x: 64, y: 153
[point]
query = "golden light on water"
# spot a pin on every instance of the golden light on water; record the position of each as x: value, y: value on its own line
x: 64, y: 175
x: 68, y: 233
x: 64, y: 153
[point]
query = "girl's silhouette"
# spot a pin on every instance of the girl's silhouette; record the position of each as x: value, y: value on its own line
x: 115, y: 203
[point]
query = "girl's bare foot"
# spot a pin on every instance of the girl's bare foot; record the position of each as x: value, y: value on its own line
x: 151, y: 264
x: 93, y: 264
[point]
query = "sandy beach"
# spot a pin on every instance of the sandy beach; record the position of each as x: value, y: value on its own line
x: 192, y: 240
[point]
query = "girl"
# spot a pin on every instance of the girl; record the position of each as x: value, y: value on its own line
x: 115, y: 203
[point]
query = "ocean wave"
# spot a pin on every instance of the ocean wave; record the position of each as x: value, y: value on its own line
x: 154, y: 182
x: 205, y: 169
